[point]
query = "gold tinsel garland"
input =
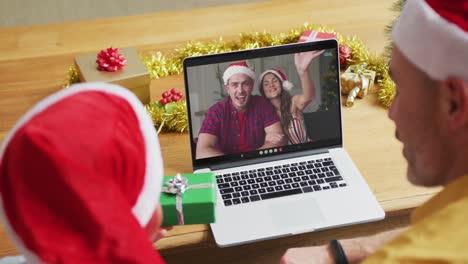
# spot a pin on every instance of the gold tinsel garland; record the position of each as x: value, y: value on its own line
x: 173, y: 118
x: 72, y: 76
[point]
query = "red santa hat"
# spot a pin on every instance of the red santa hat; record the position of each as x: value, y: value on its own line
x: 238, y: 67
x: 433, y: 35
x: 287, y: 85
x: 80, y: 176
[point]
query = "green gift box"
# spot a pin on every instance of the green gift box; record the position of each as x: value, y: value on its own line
x: 196, y: 195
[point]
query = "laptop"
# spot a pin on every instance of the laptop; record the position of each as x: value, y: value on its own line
x: 290, y: 188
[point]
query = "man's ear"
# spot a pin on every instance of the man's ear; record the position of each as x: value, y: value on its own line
x: 455, y: 96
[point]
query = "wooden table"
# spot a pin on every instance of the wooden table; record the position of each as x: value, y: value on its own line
x: 33, y: 62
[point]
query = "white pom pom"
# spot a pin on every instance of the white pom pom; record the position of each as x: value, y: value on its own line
x: 287, y: 85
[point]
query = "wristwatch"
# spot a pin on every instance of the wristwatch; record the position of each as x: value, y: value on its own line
x: 338, y: 252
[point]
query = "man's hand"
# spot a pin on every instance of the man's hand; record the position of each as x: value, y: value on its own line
x: 274, y: 136
x: 275, y: 139
x: 206, y: 146
x: 356, y: 249
x: 320, y: 254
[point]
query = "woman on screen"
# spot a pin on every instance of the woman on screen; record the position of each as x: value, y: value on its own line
x: 275, y: 87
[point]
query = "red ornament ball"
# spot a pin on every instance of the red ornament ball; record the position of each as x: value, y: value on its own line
x: 345, y: 54
x: 171, y: 95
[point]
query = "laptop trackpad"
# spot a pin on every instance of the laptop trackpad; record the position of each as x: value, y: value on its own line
x: 304, y: 212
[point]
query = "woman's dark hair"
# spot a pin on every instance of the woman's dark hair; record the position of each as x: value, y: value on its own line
x: 285, y: 101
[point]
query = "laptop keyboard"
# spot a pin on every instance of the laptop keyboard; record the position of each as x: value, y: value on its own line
x: 277, y: 181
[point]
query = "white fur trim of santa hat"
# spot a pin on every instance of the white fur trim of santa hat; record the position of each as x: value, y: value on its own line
x: 236, y: 68
x: 435, y: 45
x: 287, y: 85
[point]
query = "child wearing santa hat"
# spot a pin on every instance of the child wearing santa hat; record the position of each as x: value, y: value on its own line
x: 80, y: 177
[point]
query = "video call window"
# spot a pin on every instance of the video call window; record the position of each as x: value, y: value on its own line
x: 250, y: 97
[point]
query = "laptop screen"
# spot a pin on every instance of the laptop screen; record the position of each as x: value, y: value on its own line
x: 263, y: 102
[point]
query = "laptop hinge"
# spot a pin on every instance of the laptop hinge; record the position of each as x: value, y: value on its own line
x: 267, y: 159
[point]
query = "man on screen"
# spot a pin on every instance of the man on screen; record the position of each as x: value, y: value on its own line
x: 241, y: 122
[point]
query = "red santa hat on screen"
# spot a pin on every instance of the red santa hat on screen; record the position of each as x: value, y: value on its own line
x: 238, y: 67
x: 433, y: 35
x: 287, y: 85
x: 80, y: 176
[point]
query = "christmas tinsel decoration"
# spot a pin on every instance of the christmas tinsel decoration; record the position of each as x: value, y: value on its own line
x: 171, y: 117
x: 71, y: 76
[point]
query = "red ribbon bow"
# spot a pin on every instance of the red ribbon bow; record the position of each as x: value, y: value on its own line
x: 110, y: 60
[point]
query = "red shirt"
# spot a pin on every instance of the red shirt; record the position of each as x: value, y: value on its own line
x: 243, y: 143
x: 222, y: 121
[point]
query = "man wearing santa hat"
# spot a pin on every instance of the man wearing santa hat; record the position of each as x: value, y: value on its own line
x: 242, y: 122
x: 80, y: 177
x: 429, y: 66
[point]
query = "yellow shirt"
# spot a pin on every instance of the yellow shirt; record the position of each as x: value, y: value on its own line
x: 439, y: 231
